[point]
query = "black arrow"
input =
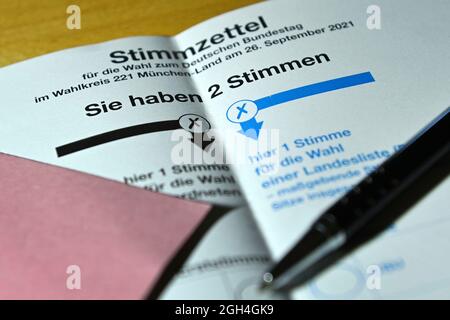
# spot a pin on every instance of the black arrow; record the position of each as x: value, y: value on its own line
x: 197, y: 138
x: 117, y: 135
x: 202, y: 140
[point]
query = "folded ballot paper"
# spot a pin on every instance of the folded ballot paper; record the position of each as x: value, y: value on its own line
x: 282, y: 105
x: 69, y: 235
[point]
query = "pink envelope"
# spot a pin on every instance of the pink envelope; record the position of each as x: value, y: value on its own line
x: 69, y: 235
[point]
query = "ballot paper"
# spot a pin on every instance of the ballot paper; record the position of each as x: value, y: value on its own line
x: 283, y: 105
x: 68, y: 235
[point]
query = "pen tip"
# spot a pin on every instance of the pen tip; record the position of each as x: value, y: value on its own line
x: 267, y: 281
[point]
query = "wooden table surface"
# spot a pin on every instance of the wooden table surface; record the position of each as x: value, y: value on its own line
x: 30, y: 28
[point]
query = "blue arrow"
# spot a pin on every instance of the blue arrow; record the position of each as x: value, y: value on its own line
x: 251, y: 128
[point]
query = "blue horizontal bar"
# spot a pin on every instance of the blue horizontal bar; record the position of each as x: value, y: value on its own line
x: 313, y: 89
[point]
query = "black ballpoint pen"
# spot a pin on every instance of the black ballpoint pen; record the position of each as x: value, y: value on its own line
x: 346, y: 222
